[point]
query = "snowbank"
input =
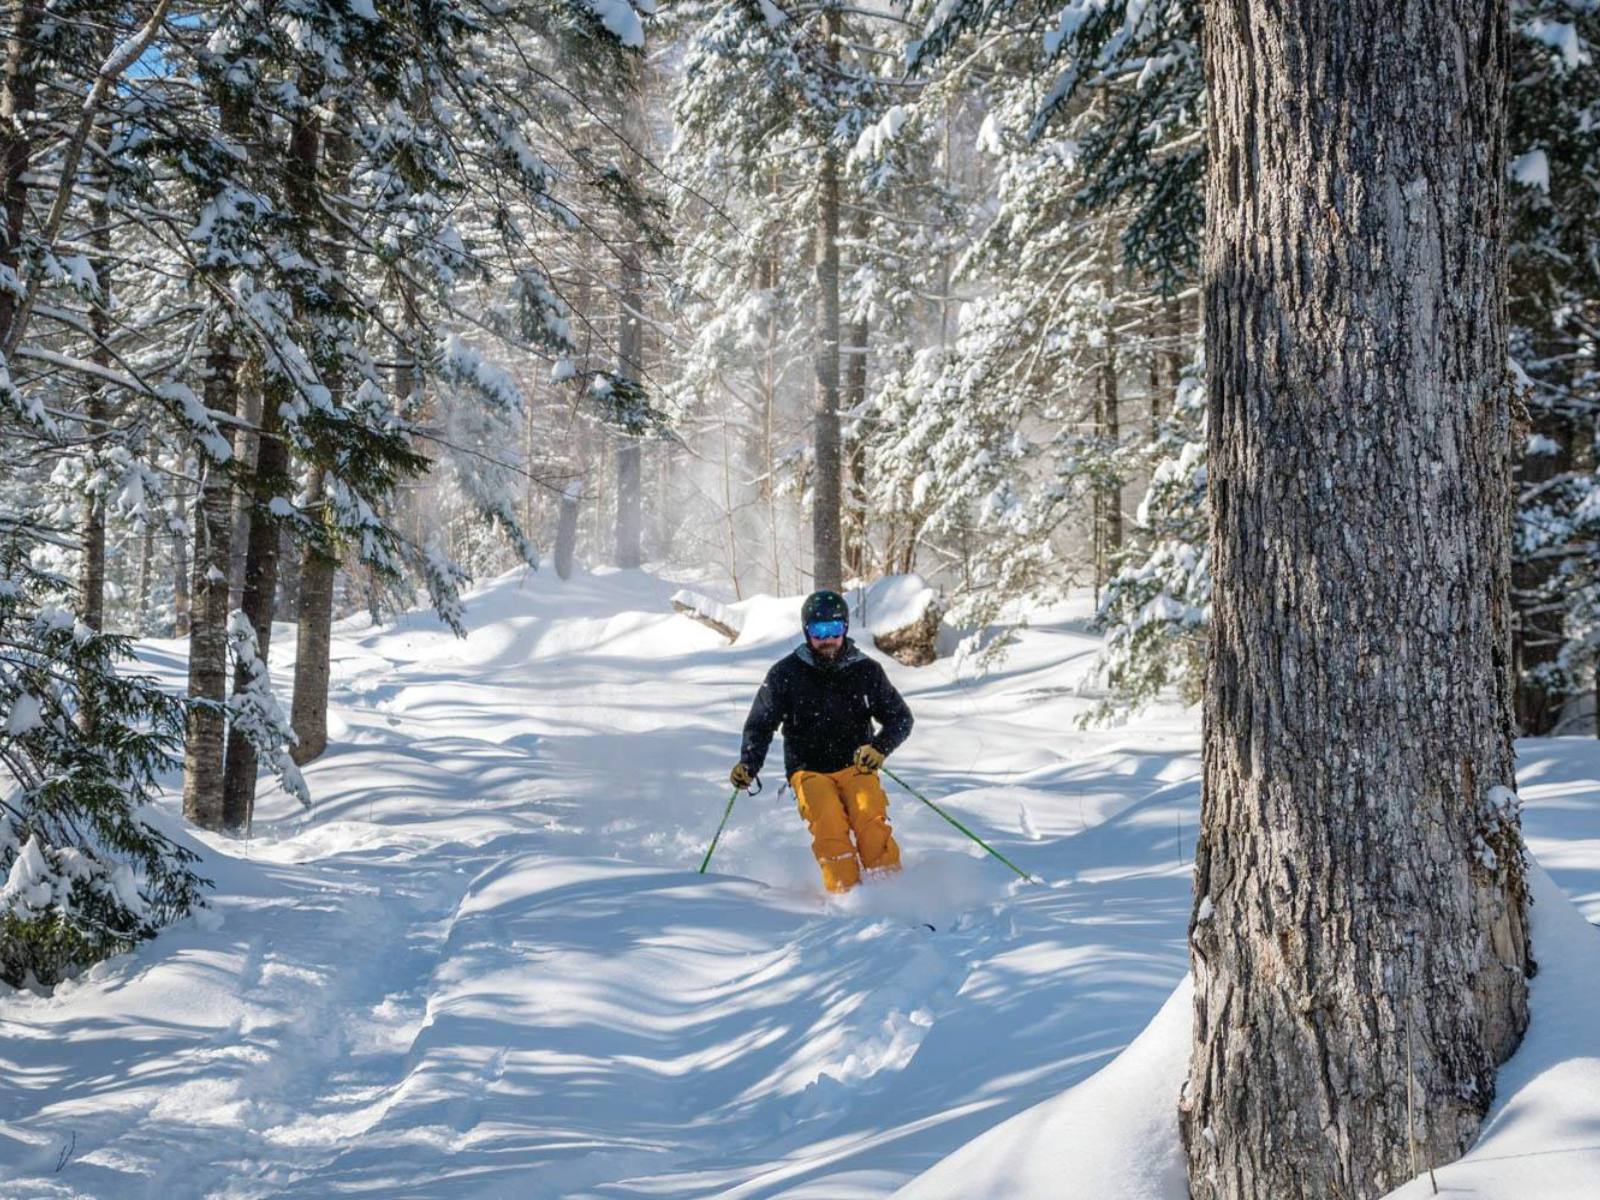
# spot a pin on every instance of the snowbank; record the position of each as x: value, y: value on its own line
x: 1113, y: 1137
x: 1542, y: 1138
x: 890, y: 604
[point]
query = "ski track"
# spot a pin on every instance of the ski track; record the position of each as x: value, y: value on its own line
x: 486, y: 967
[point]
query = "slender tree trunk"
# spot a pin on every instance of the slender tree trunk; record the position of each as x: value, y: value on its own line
x: 1358, y: 872
x: 1109, y: 498
x: 180, y: 577
x: 825, y: 564
x: 567, y: 528
x: 246, y: 444
x: 769, y: 399
x: 19, y: 90
x: 98, y: 410
x: 147, y: 555
x: 269, y: 482
x: 1539, y: 598
x: 318, y: 563
x: 630, y: 341
x: 206, y: 725
x: 314, y: 638
x: 855, y: 402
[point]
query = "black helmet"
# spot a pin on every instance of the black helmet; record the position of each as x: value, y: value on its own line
x: 824, y: 606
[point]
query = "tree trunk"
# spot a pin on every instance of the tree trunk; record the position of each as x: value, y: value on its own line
x: 1108, y: 498
x: 93, y: 577
x: 19, y: 89
x: 567, y: 528
x: 269, y: 482
x: 147, y: 555
x: 1539, y: 594
x: 855, y: 402
x: 246, y: 444
x: 259, y: 600
x: 180, y: 576
x: 630, y: 343
x: 1359, y: 877
x: 318, y: 565
x: 313, y: 638
x: 208, y: 621
x: 825, y: 565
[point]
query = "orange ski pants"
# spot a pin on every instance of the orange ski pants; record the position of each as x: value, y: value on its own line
x: 836, y: 806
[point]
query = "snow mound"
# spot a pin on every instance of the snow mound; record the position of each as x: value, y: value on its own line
x: 1539, y: 1141
x: 890, y: 603
x: 765, y: 619
x: 1114, y: 1136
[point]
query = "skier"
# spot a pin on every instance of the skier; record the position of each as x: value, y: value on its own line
x: 826, y: 696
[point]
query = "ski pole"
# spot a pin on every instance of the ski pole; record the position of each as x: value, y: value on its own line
x: 721, y: 826
x: 958, y: 825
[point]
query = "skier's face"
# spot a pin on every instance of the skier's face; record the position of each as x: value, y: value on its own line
x: 826, y: 649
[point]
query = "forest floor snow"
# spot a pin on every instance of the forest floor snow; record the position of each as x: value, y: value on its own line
x: 484, y: 965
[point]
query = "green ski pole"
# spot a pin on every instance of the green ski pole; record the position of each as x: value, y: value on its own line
x: 720, y: 827
x: 959, y: 825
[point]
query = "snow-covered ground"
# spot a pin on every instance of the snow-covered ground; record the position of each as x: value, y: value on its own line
x: 485, y: 965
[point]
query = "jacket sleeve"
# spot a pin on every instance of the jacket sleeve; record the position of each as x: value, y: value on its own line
x: 765, y: 714
x: 891, y: 712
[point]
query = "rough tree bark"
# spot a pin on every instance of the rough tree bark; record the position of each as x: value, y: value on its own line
x: 1358, y: 874
x: 825, y: 484
x: 205, y: 725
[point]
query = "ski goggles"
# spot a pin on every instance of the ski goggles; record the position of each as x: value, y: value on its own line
x: 823, y: 630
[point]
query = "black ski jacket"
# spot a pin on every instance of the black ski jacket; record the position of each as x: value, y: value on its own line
x: 826, y: 712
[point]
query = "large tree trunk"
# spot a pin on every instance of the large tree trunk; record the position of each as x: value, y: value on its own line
x: 825, y: 483
x: 208, y: 618
x: 1359, y: 879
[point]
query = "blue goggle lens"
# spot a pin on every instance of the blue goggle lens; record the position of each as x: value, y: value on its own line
x: 822, y: 630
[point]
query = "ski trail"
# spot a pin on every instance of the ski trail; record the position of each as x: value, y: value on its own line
x: 486, y: 966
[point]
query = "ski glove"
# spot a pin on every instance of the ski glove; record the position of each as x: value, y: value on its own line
x: 868, y: 757
x: 740, y: 777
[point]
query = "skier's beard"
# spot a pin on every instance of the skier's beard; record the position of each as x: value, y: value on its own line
x: 827, y: 653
